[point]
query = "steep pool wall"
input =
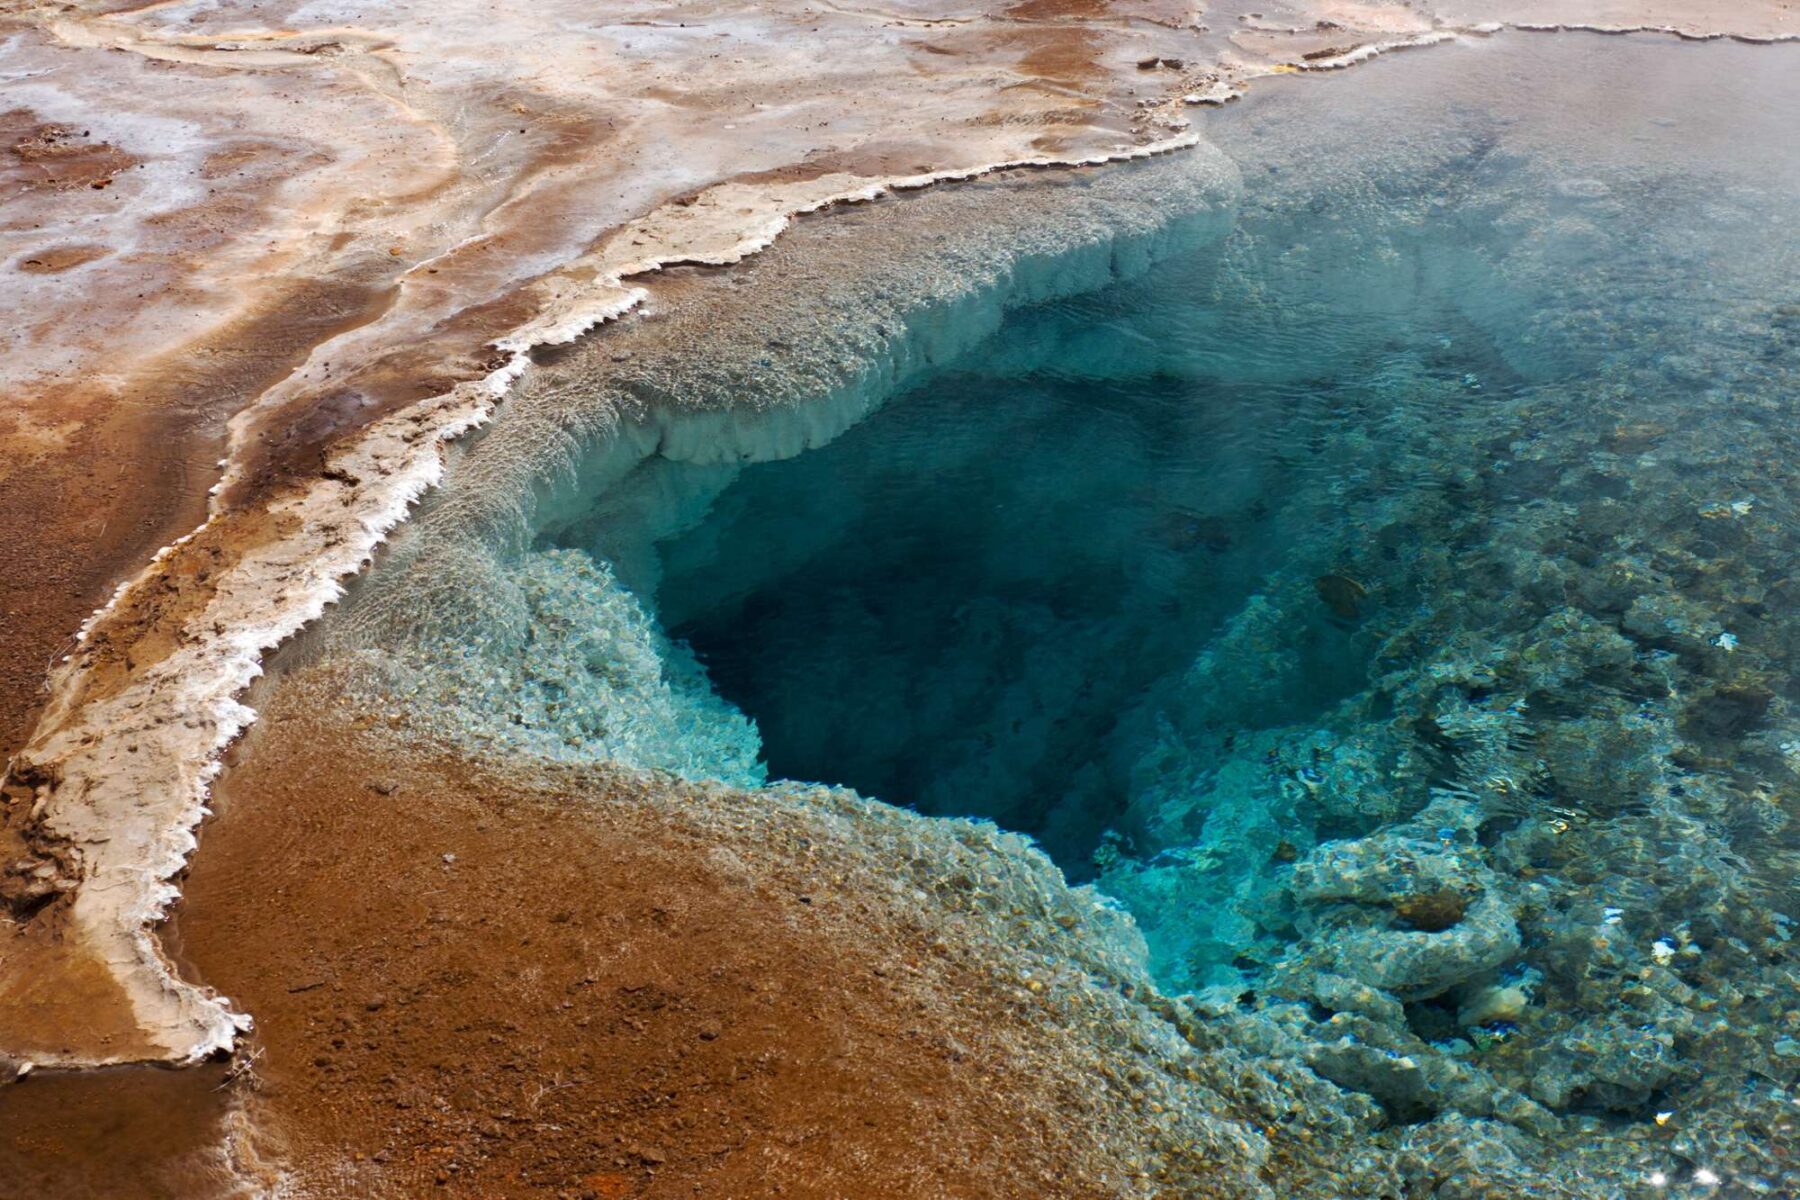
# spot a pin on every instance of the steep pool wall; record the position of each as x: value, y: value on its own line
x: 774, y: 357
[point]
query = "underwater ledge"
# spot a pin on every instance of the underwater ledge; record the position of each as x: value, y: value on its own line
x: 467, y: 635
x: 801, y: 344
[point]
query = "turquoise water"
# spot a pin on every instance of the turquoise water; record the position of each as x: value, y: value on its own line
x: 1391, y: 603
x: 1457, y: 471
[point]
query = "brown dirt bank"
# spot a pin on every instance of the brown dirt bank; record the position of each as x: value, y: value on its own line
x: 586, y: 985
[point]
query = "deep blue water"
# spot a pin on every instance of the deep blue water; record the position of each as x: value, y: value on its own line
x: 899, y: 615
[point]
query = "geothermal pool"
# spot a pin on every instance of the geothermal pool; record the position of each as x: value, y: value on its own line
x: 1382, y: 589
x: 1457, y: 475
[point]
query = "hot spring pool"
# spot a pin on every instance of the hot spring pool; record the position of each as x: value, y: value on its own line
x: 1389, y: 598
x: 1458, y: 478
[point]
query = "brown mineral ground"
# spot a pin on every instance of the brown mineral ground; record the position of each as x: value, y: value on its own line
x: 588, y: 985
x: 263, y: 261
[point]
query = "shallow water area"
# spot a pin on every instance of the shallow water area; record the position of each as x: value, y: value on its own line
x: 1374, y: 574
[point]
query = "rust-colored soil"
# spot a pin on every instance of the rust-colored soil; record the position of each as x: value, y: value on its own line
x: 474, y: 987
x: 80, y: 520
x: 57, y: 157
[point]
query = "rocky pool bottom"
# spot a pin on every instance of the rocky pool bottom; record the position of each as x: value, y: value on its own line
x: 1358, y: 553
